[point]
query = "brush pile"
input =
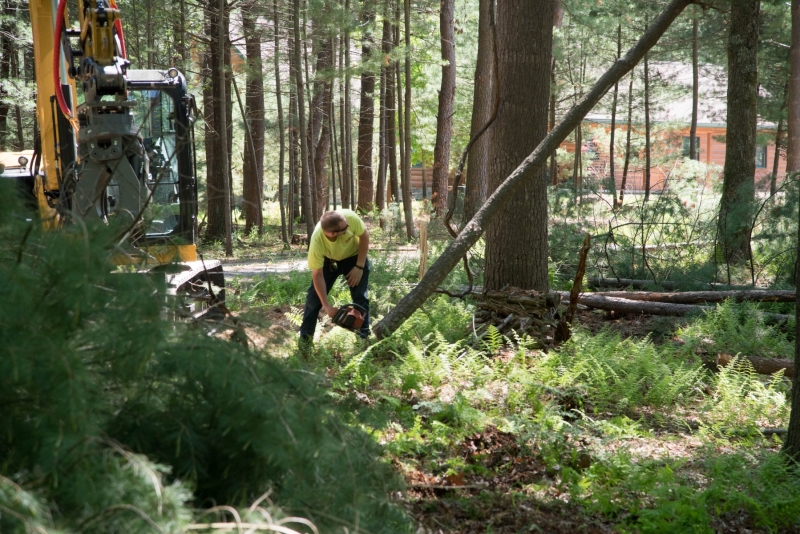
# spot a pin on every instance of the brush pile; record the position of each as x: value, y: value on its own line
x: 523, y: 311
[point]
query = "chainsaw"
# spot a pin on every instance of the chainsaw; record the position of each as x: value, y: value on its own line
x: 350, y: 316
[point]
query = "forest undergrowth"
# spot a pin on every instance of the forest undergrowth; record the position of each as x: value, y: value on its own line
x: 120, y: 419
x: 629, y: 427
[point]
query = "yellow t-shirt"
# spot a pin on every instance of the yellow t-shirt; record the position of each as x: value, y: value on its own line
x: 346, y: 244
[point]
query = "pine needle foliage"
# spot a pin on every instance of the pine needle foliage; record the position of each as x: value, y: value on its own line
x: 112, y: 413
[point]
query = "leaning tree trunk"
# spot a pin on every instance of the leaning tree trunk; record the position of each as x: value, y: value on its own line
x: 793, y: 122
x: 366, y: 116
x: 482, y: 107
x: 738, y: 186
x: 512, y: 187
x: 253, y: 166
x: 444, y: 120
x: 516, y: 240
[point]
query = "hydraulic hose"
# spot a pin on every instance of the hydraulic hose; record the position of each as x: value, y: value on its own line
x: 118, y: 26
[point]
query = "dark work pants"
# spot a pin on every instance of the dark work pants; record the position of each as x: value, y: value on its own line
x: 331, y: 271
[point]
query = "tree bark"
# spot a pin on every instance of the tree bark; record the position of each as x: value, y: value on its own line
x: 253, y: 166
x: 444, y: 118
x: 301, y: 120
x: 773, y: 179
x: 626, y: 165
x: 482, y: 107
x: 514, y: 184
x: 216, y: 181
x: 319, y: 127
x: 281, y: 126
x: 697, y: 297
x: 224, y: 48
x: 738, y: 187
x: 793, y: 122
x: 611, y: 170
x: 366, y: 115
x: 391, y: 125
x: 516, y: 241
x: 407, y: 132
x: 383, y: 113
x: 695, y: 88
x: 646, y: 129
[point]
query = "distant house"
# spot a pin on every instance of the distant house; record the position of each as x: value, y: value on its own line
x: 671, y: 121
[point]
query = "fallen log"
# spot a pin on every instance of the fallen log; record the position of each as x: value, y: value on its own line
x: 626, y: 306
x: 620, y: 305
x: 698, y: 297
x: 596, y: 282
x: 762, y: 366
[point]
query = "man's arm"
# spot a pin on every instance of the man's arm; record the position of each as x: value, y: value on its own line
x: 354, y: 276
x: 318, y: 279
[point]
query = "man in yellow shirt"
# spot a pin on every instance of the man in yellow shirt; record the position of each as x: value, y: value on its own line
x: 338, y: 246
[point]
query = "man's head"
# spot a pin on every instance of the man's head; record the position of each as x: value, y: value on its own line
x: 333, y: 225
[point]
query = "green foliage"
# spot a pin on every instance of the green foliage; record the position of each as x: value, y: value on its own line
x: 742, y: 402
x: 620, y: 375
x: 655, y: 497
x: 111, y: 411
x: 736, y: 328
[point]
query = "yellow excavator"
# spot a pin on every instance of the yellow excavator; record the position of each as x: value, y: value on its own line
x: 115, y: 144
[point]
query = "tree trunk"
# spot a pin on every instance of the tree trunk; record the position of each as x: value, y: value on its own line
x: 407, y: 132
x: 700, y: 297
x: 253, y: 167
x: 6, y: 51
x: 281, y: 126
x: 383, y: 156
x: 773, y: 179
x: 224, y: 48
x: 301, y: 121
x: 319, y: 127
x: 516, y: 241
x: 216, y: 181
x: 577, y: 160
x: 625, y: 166
x: 483, y: 100
x: 513, y: 186
x: 695, y: 88
x: 366, y: 116
x: 294, y: 170
x: 738, y: 187
x: 793, y: 122
x: 611, y: 169
x: 444, y: 118
x: 647, y: 129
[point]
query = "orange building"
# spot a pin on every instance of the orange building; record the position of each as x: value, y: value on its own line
x: 670, y: 135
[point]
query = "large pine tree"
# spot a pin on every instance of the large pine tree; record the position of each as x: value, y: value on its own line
x: 516, y: 240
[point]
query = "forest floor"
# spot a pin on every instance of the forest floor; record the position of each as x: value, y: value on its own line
x: 503, y: 438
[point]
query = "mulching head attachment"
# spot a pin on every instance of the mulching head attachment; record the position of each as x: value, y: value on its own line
x: 350, y: 316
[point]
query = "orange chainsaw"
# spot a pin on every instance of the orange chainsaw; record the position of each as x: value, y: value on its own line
x: 350, y: 316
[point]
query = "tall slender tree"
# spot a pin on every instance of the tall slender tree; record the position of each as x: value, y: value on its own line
x: 793, y: 122
x: 253, y: 166
x: 738, y: 188
x: 366, y: 127
x: 444, y: 119
x: 483, y: 105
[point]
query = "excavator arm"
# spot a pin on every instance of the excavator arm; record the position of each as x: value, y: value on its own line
x: 116, y: 143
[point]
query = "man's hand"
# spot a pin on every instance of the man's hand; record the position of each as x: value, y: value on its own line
x: 331, y: 311
x: 354, y: 276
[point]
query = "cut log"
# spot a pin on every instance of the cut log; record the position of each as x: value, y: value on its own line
x: 698, y: 297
